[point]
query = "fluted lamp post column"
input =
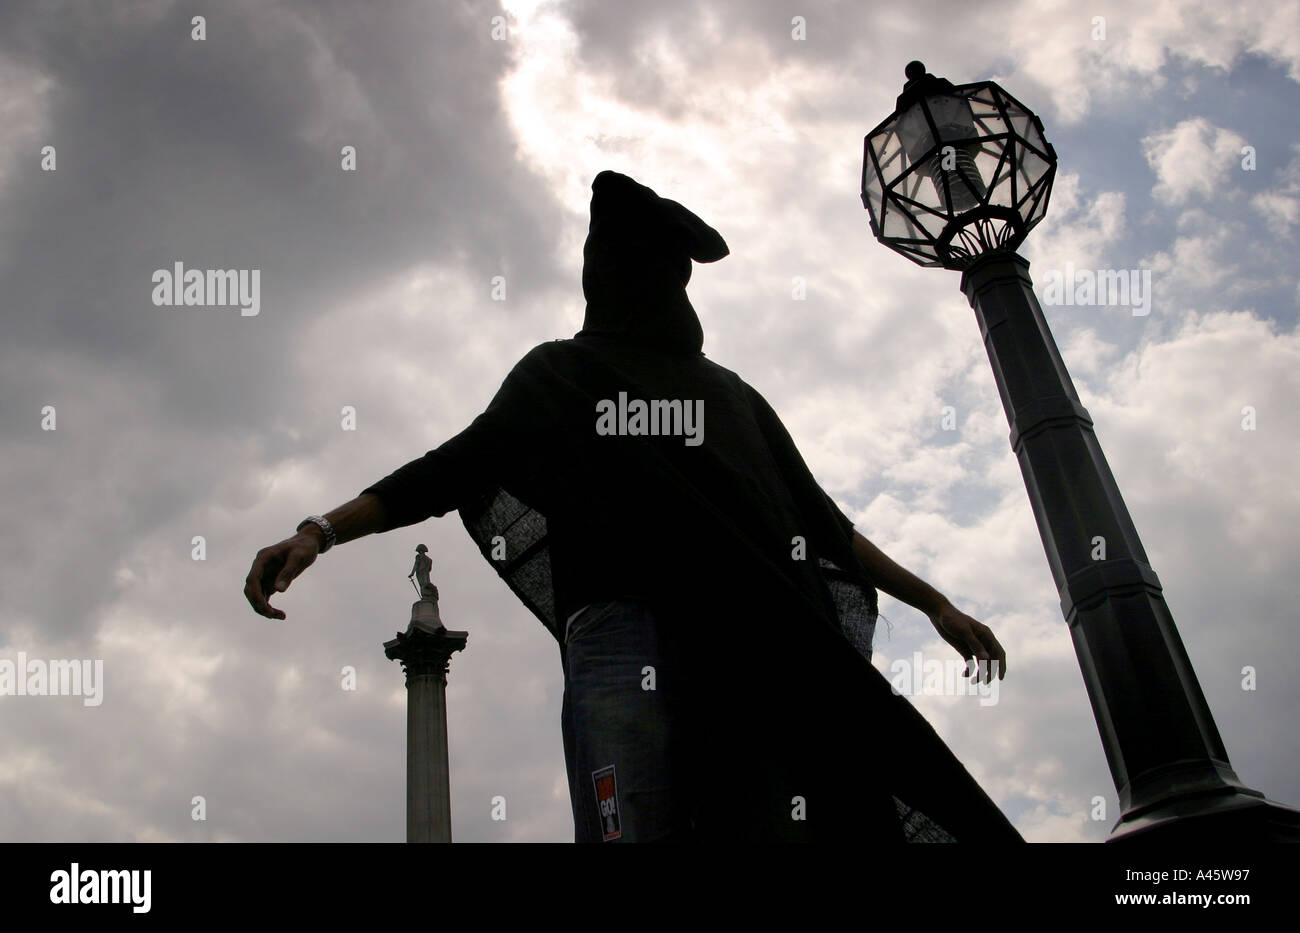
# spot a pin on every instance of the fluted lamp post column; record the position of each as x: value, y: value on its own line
x: 955, y: 178
x: 425, y: 650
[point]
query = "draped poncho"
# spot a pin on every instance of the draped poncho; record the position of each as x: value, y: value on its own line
x: 718, y: 523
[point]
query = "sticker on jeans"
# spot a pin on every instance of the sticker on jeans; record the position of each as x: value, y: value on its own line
x: 607, y: 802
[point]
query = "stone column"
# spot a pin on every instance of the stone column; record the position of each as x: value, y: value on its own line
x: 425, y: 650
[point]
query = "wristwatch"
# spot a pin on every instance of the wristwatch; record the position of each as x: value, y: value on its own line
x: 326, y: 528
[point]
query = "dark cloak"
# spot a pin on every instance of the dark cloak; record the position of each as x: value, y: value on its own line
x: 774, y: 638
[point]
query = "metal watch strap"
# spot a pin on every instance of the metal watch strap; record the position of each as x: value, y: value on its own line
x: 326, y: 528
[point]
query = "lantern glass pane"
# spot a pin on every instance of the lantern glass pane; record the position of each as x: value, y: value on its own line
x: 872, y: 190
x: 1036, y: 210
x: 886, y: 147
x: 933, y: 224
x: 1038, y: 207
x: 952, y: 117
x: 1032, y: 165
x: 981, y: 102
x: 1035, y: 138
x: 925, y: 193
x: 897, y: 223
x: 994, y: 170
x: 914, y: 132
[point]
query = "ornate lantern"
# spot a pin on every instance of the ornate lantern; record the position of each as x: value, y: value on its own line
x: 955, y: 171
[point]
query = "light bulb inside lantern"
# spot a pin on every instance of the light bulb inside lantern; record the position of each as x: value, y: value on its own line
x: 955, y: 170
x: 951, y: 167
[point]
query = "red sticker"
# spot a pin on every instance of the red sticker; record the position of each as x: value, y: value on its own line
x: 607, y: 802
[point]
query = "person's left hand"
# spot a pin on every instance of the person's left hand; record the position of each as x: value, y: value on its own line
x: 972, y: 639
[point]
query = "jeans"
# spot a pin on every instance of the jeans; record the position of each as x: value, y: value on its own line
x: 625, y: 744
x: 651, y: 757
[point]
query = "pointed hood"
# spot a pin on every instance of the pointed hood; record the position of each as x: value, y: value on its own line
x: 636, y: 263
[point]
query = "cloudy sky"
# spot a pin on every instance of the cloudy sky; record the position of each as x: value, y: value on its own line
x: 474, y: 160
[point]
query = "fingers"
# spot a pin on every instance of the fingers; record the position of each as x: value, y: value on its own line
x: 295, y: 563
x: 993, y: 652
x: 974, y: 641
x: 980, y: 656
x: 999, y: 654
x: 257, y: 583
x: 987, y: 652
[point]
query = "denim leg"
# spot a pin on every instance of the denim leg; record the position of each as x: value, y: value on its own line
x: 623, y: 741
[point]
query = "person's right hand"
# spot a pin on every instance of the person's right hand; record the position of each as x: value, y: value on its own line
x: 974, y: 640
x: 275, y: 567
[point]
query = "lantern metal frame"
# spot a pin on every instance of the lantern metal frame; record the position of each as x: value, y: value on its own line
x: 912, y: 205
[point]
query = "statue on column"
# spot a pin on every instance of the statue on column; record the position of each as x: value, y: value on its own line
x: 423, y: 567
x: 425, y: 610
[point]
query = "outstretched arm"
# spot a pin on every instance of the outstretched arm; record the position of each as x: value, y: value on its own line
x: 275, y: 567
x: 362, y: 516
x: 970, y: 638
x: 431, y: 485
x: 896, y: 581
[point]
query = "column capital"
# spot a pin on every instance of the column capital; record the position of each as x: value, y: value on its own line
x: 424, y: 650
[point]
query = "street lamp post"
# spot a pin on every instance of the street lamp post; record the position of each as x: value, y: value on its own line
x: 956, y: 177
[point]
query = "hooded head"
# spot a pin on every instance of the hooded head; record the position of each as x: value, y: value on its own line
x: 636, y: 263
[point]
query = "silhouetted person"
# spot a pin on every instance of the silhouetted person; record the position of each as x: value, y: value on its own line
x: 712, y: 605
